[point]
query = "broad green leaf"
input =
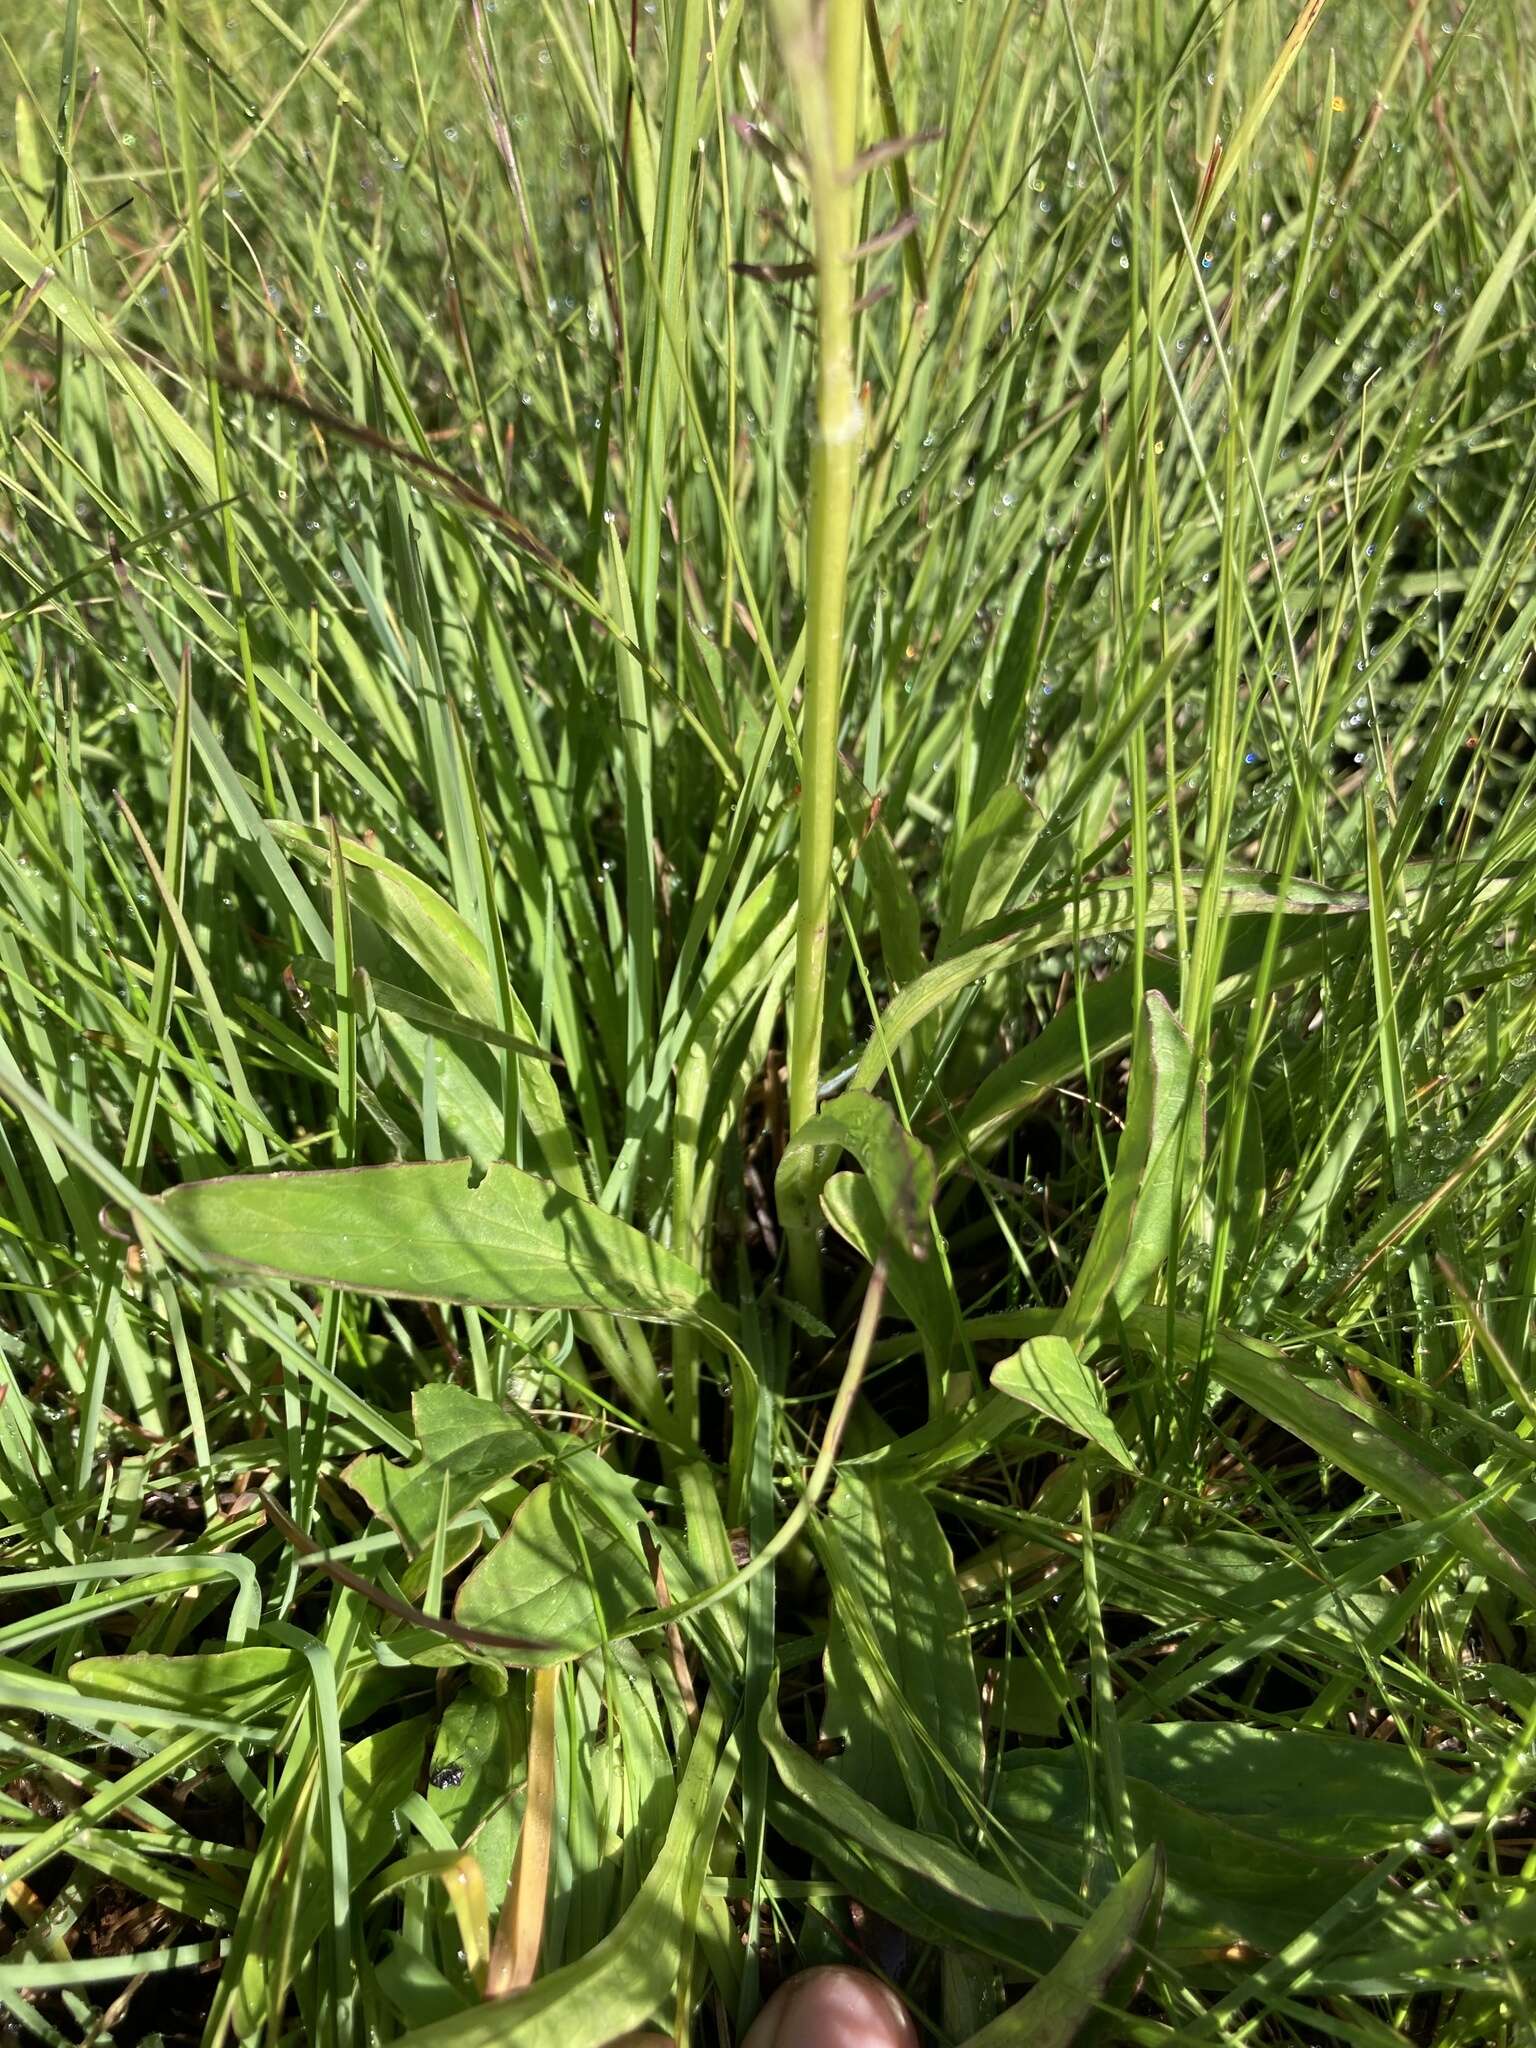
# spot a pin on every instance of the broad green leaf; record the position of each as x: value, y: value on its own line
x: 899, y: 1168
x: 470, y: 1447
x: 561, y: 1575
x: 412, y: 913
x: 1262, y: 1830
x: 901, y: 1680
x: 1056, y: 2010
x: 469, y: 1118
x: 631, y: 1976
x: 1158, y: 1152
x: 422, y: 1232
x: 418, y: 1991
x: 1046, y: 1374
x: 478, y: 1757
x: 427, y: 1044
x: 450, y: 1419
x: 408, y: 1497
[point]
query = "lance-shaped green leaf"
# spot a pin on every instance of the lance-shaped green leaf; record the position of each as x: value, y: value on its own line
x: 1151, y: 1167
x: 450, y: 954
x: 243, y: 1684
x: 1263, y: 1829
x: 916, y: 1880
x: 901, y: 1678
x: 899, y: 1168
x: 884, y: 1214
x: 424, y: 1232
x: 39, y: 275
x: 1046, y: 1374
x: 1486, y: 304
x: 1060, y: 920
x: 1362, y: 1439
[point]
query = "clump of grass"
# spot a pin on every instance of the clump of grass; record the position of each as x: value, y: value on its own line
x: 519, y: 831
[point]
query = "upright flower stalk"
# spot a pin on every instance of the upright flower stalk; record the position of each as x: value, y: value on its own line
x: 823, y: 49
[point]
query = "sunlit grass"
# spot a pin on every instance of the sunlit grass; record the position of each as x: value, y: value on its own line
x: 408, y: 718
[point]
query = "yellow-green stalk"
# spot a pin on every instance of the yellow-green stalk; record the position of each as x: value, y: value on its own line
x: 823, y: 49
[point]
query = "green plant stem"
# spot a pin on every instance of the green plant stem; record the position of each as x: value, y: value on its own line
x: 827, y: 78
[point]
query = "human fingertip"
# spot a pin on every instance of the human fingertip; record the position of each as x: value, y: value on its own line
x: 833, y: 2007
